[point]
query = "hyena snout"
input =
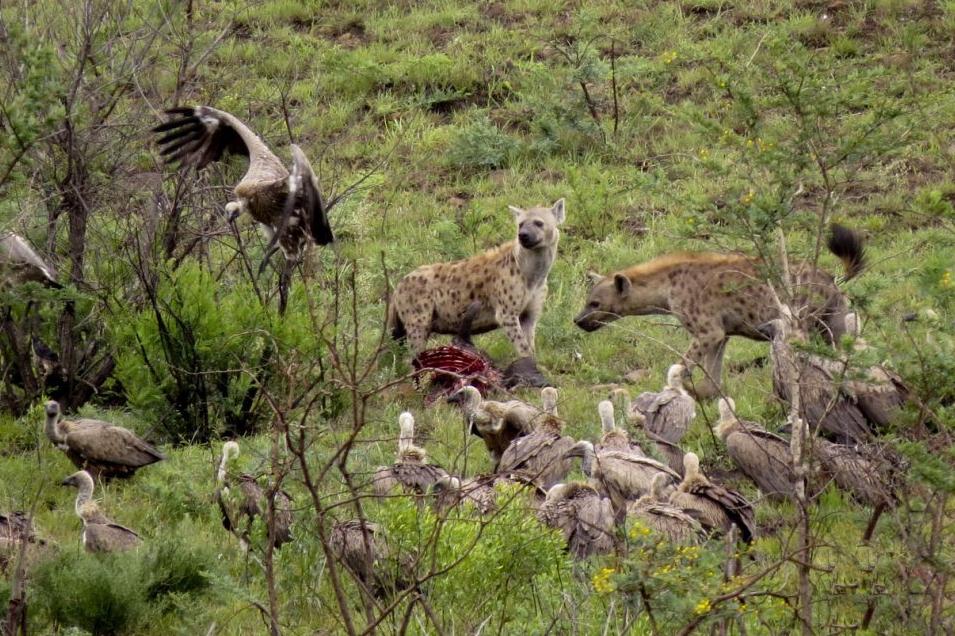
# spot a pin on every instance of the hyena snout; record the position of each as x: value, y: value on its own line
x: 530, y: 238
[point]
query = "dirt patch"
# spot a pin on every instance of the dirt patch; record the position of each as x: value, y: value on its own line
x: 349, y: 34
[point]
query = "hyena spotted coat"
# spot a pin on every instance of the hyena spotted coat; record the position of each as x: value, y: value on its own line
x: 716, y: 296
x: 507, y: 285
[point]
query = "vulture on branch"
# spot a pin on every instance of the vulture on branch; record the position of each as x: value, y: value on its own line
x: 241, y: 497
x: 411, y: 471
x: 19, y: 263
x: 670, y: 453
x: 99, y: 533
x: 673, y: 522
x: 541, y: 455
x: 822, y: 403
x: 716, y: 507
x: 668, y: 413
x: 762, y: 456
x: 359, y: 546
x: 585, y: 518
x: 102, y: 449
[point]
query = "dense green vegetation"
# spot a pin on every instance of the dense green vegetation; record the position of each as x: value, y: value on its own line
x: 694, y: 124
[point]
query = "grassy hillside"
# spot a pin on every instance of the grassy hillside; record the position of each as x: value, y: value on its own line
x: 687, y: 125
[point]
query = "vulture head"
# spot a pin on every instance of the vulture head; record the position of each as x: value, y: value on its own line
x: 584, y: 450
x: 549, y: 400
x: 469, y: 399
x: 52, y: 416
x: 230, y: 450
x: 675, y: 377
x: 691, y: 469
x: 407, y: 451
x: 852, y: 323
x: 79, y: 479
x: 728, y: 420
x: 607, y: 423
x: 52, y: 408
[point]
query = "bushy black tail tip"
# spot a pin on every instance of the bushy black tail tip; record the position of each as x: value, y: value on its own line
x: 846, y: 244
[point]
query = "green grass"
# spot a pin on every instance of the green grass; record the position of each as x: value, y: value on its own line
x: 461, y: 109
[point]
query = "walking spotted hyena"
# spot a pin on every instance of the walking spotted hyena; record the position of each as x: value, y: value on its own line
x: 716, y: 296
x: 504, y: 287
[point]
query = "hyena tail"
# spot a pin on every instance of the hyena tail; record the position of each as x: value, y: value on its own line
x: 847, y: 245
x: 398, y: 332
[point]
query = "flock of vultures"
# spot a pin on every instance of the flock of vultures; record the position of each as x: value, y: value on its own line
x: 636, y: 472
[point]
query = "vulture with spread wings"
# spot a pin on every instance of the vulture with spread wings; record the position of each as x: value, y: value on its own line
x: 289, y: 205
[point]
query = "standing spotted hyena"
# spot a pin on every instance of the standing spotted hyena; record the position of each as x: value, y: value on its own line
x: 503, y: 287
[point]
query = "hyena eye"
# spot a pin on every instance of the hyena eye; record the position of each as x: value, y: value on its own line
x: 593, y: 304
x: 539, y: 223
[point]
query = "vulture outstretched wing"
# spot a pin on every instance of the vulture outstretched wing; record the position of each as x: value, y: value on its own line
x: 314, y: 209
x: 199, y: 135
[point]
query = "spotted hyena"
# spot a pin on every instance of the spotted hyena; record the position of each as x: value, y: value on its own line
x: 503, y: 287
x: 716, y: 296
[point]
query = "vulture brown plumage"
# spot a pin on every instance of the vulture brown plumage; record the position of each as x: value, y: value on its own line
x: 497, y: 423
x: 823, y: 405
x: 653, y: 511
x: 584, y: 517
x: 669, y: 412
x: 618, y: 469
x: 241, y: 500
x: 287, y: 203
x: 476, y: 492
x: 102, y: 449
x: 879, y: 392
x: 360, y: 547
x: 671, y: 454
x: 411, y: 471
x: 19, y: 263
x: 541, y: 455
x: 716, y: 507
x: 866, y: 472
x: 764, y: 457
x: 99, y: 533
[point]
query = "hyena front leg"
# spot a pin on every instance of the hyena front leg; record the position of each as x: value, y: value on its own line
x: 530, y: 317
x: 511, y: 323
x: 706, y: 351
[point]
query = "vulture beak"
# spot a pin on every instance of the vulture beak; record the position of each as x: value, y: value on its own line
x: 67, y: 482
x: 456, y: 397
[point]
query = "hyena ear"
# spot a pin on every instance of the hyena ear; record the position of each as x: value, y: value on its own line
x: 594, y: 278
x: 558, y: 211
x: 516, y: 211
x: 622, y: 284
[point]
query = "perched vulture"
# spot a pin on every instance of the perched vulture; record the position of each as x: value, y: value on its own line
x: 866, y: 472
x: 612, y: 437
x: 411, y: 471
x: 656, y: 513
x: 19, y: 263
x: 823, y: 405
x: 764, y: 457
x: 497, y: 423
x: 668, y: 413
x: 541, y: 455
x: 242, y: 498
x: 361, y: 549
x: 671, y: 454
x: 716, y: 507
x: 585, y: 518
x: 100, y: 448
x: 99, y: 533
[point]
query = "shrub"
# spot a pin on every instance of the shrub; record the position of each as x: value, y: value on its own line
x: 481, y: 145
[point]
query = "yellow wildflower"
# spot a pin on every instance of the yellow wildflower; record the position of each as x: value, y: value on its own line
x: 601, y: 581
x: 702, y: 607
x: 946, y: 279
x: 747, y: 198
x: 704, y: 153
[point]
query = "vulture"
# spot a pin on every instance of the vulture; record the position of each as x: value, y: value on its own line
x: 540, y: 456
x: 359, y: 546
x: 497, y: 423
x: 656, y: 513
x: 668, y: 414
x: 478, y: 492
x: 100, y: 448
x: 99, y: 533
x: 864, y: 471
x: 584, y: 517
x: 670, y: 453
x: 549, y: 400
x: 618, y: 469
x: 249, y: 501
x: 411, y: 470
x: 823, y: 404
x: 287, y: 204
x: 717, y: 508
x: 19, y: 263
x: 764, y: 457
x: 879, y: 392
